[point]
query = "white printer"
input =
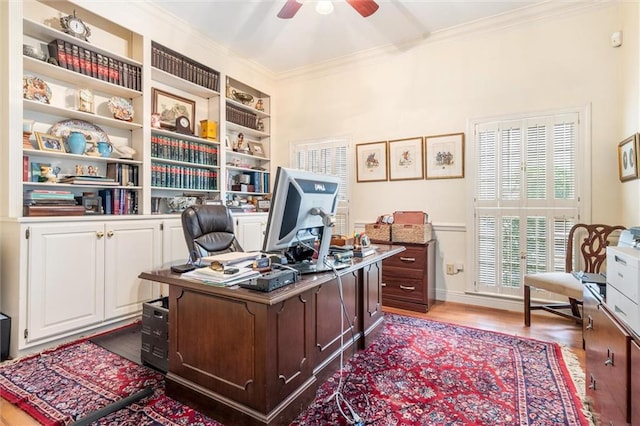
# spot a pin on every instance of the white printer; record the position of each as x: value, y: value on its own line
x: 623, y: 278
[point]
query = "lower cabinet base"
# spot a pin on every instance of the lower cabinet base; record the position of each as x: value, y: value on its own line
x: 232, y: 413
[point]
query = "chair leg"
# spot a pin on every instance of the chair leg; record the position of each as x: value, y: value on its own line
x: 527, y: 306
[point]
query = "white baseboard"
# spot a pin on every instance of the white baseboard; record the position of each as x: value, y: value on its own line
x: 481, y: 300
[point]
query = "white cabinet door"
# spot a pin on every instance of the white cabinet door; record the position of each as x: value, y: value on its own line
x: 174, y: 246
x: 131, y: 247
x: 65, y: 278
x: 249, y: 230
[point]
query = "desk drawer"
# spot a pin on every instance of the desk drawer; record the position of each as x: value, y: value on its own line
x: 412, y: 257
x: 622, y: 271
x: 408, y: 284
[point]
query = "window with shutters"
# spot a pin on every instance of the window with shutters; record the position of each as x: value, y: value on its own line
x: 525, y: 198
x: 331, y: 157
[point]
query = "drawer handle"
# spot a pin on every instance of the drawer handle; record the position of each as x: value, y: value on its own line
x: 383, y: 284
x: 592, y: 382
x: 609, y: 360
x: 619, y: 311
x: 589, y: 323
x: 620, y: 260
x: 408, y: 259
x: 404, y: 287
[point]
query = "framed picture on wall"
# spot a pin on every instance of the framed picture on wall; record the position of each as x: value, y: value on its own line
x: 371, y: 162
x: 406, y: 160
x: 445, y: 156
x: 628, y: 158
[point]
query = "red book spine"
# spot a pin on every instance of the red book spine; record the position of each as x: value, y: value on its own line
x: 25, y: 168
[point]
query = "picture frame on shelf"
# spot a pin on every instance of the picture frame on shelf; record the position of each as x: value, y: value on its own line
x: 171, y: 106
x: 406, y: 159
x: 445, y: 156
x: 257, y: 149
x: 264, y: 205
x: 48, y: 142
x: 371, y: 162
x: 628, y: 158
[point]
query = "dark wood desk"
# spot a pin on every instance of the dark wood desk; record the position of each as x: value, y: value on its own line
x: 252, y: 358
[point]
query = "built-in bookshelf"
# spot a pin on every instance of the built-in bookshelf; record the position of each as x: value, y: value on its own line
x: 248, y: 140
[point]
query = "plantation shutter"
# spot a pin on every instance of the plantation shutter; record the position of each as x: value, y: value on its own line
x: 525, y: 199
x: 328, y: 157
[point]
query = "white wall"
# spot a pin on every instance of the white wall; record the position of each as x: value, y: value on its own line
x: 436, y: 87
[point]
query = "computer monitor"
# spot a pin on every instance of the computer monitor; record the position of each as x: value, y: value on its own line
x: 303, y: 208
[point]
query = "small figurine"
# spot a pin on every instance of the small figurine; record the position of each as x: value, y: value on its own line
x: 47, y: 174
x: 79, y: 170
x: 240, y: 143
x: 92, y: 171
x: 260, y: 105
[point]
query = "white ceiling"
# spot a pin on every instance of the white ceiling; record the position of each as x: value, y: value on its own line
x: 251, y: 29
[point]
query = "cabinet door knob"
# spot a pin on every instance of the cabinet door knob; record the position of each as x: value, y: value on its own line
x: 109, y: 234
x: 100, y: 234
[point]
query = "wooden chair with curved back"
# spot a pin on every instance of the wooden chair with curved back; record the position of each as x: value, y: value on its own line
x: 591, y: 242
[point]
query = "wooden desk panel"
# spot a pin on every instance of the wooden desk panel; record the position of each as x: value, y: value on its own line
x: 245, y: 357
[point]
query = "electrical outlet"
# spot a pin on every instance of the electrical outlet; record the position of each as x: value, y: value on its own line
x: 450, y: 269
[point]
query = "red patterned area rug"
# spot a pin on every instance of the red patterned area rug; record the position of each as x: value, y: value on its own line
x: 416, y: 372
x: 421, y: 372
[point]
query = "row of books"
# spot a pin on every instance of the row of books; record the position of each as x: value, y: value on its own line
x: 48, y: 197
x: 184, y: 177
x: 43, y: 202
x: 174, y: 63
x: 119, y: 201
x: 171, y: 148
x: 97, y: 65
x: 124, y: 174
x: 242, y: 117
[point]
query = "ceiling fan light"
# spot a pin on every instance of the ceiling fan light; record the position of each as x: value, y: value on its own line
x: 324, y: 7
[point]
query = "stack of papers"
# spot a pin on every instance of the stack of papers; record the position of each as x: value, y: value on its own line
x: 232, y: 257
x: 219, y: 278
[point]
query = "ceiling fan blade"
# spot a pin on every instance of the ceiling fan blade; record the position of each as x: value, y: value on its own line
x: 364, y: 7
x: 289, y: 9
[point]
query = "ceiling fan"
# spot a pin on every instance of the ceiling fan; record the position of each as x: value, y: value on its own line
x: 363, y: 7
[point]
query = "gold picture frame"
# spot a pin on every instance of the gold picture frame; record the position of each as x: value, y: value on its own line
x: 371, y: 162
x: 628, y: 158
x: 444, y: 156
x: 406, y: 159
x: 47, y: 142
x: 171, y: 106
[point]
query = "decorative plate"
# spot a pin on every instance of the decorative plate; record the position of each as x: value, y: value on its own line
x: 91, y: 132
x: 35, y: 89
x: 121, y: 108
x: 245, y: 98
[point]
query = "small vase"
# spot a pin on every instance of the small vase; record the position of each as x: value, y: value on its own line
x: 77, y: 143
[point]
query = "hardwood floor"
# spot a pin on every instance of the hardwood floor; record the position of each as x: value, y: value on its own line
x: 543, y: 327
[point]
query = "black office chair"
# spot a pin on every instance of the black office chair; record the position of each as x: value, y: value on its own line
x: 208, y: 230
